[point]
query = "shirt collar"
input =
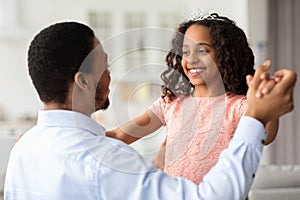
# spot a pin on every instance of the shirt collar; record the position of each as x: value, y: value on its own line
x: 66, y: 118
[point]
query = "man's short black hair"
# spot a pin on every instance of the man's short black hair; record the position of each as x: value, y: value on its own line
x: 55, y: 56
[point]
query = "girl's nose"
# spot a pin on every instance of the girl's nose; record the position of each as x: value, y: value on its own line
x: 193, y: 58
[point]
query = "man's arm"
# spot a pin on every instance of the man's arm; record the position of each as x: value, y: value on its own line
x: 238, y: 163
x: 232, y: 176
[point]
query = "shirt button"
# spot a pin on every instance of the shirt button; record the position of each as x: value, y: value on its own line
x: 253, y: 175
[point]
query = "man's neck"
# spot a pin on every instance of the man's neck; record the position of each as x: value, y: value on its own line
x: 70, y: 107
x: 57, y: 106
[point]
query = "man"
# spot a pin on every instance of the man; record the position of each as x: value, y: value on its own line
x: 67, y: 155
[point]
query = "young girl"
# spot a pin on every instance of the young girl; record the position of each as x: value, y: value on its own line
x: 203, y: 97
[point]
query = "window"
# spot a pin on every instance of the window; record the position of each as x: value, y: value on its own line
x: 135, y: 40
x: 169, y: 20
x: 101, y: 22
x: 9, y: 15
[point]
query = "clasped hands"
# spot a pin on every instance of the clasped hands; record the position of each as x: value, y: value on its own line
x: 270, y: 97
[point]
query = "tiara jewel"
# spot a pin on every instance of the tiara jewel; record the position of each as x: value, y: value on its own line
x: 200, y: 15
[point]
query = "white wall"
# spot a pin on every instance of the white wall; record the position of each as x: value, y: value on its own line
x: 18, y: 97
x: 258, y: 10
x: 236, y: 10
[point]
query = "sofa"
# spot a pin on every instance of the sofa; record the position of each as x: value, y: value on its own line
x: 276, y: 182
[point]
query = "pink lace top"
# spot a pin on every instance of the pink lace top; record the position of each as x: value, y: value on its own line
x: 198, y: 129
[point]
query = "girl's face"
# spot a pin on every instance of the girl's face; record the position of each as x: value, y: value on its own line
x: 198, y: 57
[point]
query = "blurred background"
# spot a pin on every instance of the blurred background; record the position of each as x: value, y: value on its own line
x: 136, y: 34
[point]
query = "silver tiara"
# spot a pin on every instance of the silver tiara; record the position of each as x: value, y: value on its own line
x: 200, y: 15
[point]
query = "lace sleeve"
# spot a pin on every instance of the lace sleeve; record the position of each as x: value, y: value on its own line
x: 158, y: 108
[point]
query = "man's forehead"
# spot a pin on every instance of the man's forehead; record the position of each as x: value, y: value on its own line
x: 100, y: 52
x: 96, y: 60
x: 100, y: 61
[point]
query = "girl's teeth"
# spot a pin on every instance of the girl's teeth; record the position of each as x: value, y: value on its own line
x: 195, y: 70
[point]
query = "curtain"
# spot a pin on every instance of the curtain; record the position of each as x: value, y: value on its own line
x: 284, y: 52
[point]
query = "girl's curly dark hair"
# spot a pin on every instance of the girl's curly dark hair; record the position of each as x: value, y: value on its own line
x: 235, y: 57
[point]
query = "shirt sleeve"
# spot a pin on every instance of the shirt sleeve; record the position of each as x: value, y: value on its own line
x: 230, y: 178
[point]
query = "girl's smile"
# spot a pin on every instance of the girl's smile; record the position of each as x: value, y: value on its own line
x: 199, y: 61
x: 195, y: 71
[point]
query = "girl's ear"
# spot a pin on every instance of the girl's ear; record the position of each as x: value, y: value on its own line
x: 81, y: 80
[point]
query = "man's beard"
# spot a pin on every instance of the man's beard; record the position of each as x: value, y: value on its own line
x: 103, y: 105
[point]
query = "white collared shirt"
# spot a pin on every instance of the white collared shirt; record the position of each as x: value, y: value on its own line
x: 67, y: 156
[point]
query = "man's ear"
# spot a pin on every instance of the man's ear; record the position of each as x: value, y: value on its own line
x: 81, y: 80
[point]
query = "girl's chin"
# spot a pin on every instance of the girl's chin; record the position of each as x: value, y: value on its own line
x: 197, y: 82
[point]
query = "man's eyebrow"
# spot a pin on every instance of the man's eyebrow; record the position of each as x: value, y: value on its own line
x: 106, y: 57
x: 106, y: 60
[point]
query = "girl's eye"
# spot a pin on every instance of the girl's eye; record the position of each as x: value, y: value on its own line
x: 202, y: 51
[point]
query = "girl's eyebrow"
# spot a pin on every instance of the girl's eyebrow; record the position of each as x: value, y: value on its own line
x: 199, y: 44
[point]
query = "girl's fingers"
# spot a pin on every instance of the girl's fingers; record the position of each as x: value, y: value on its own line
x: 261, y: 87
x: 268, y: 86
x: 249, y: 79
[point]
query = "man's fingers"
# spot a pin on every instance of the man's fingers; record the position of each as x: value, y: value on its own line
x: 288, y: 79
x: 259, y: 73
x: 265, y: 76
x: 279, y: 73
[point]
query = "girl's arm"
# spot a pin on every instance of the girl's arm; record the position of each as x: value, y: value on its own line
x: 271, y: 129
x: 139, y: 127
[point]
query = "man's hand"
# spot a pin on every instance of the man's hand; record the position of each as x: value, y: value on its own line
x: 270, y: 98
